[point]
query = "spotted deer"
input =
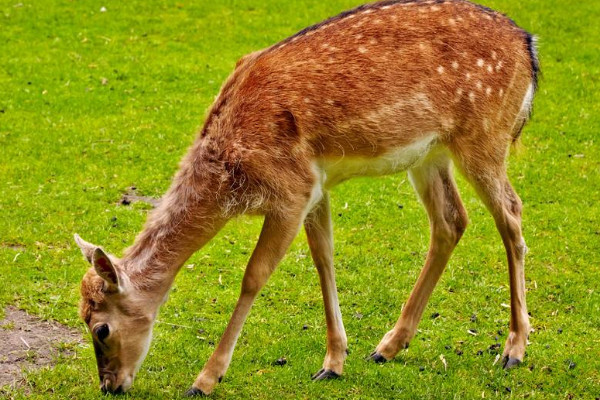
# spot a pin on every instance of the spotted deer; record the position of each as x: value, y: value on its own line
x: 399, y: 85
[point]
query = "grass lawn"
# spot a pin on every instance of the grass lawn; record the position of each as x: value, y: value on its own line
x: 92, y: 103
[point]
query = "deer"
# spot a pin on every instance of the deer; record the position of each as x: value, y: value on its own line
x: 422, y: 86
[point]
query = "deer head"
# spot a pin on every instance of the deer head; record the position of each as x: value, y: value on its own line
x: 118, y: 316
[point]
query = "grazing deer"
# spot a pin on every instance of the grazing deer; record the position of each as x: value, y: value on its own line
x: 391, y: 86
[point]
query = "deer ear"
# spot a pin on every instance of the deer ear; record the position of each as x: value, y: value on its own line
x: 87, y: 249
x: 105, y: 268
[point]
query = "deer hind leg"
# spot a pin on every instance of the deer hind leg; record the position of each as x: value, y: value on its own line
x: 495, y: 190
x: 435, y: 186
x: 320, y: 240
x: 277, y: 234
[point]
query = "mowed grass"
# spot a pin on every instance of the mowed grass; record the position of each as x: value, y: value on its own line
x: 92, y: 103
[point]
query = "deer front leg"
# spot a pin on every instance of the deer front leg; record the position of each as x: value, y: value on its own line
x: 447, y: 218
x: 320, y: 240
x: 277, y: 233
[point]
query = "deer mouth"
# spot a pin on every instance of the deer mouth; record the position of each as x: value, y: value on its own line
x: 108, y: 387
x: 108, y: 383
x: 113, y: 384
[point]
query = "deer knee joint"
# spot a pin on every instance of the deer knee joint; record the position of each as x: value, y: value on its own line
x: 460, y: 225
x: 250, y: 286
x: 521, y: 247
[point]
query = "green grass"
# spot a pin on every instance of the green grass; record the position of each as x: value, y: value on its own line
x: 71, y: 145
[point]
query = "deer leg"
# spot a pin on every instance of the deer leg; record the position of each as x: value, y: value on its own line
x: 277, y: 234
x: 509, y: 226
x: 505, y: 206
x: 320, y: 240
x: 435, y: 186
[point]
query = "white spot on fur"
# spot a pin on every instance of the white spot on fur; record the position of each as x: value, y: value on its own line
x: 373, y: 41
x: 362, y: 50
x: 494, y: 55
x: 486, y: 124
x: 455, y: 64
x: 359, y: 36
x: 468, y: 76
x: 479, y: 85
x: 351, y: 16
x: 385, y: 7
x: 435, y: 8
x: 329, y: 101
x: 306, y: 100
x: 480, y: 63
x: 490, y: 69
x: 440, y: 70
x: 459, y: 92
x: 472, y: 97
x: 501, y: 92
x: 448, y: 123
x: 421, y: 100
x: 452, y: 21
x: 488, y: 91
x: 367, y: 11
x: 499, y: 65
x: 377, y: 21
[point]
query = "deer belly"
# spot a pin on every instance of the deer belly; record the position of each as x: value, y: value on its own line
x: 338, y: 169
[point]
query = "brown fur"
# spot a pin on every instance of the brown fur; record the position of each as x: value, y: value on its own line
x: 393, y: 85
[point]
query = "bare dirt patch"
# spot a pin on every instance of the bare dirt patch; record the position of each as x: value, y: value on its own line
x: 27, y: 343
x: 12, y: 246
x: 132, y: 196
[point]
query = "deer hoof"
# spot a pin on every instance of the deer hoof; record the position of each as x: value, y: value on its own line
x: 193, y: 392
x: 510, y: 362
x: 377, y: 357
x: 324, y: 374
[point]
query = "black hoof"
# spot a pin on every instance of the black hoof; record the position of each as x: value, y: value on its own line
x: 510, y: 362
x: 324, y: 374
x: 377, y: 357
x: 193, y: 392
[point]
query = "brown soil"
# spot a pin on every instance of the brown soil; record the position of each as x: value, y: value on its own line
x: 27, y: 342
x: 132, y: 196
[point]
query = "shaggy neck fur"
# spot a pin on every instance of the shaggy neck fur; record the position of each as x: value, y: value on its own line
x: 186, y: 219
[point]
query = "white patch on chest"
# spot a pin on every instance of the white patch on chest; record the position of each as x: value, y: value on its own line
x: 336, y: 170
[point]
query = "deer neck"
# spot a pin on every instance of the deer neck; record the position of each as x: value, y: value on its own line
x: 186, y: 219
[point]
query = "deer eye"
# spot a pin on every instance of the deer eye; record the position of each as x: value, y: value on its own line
x: 102, y: 332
